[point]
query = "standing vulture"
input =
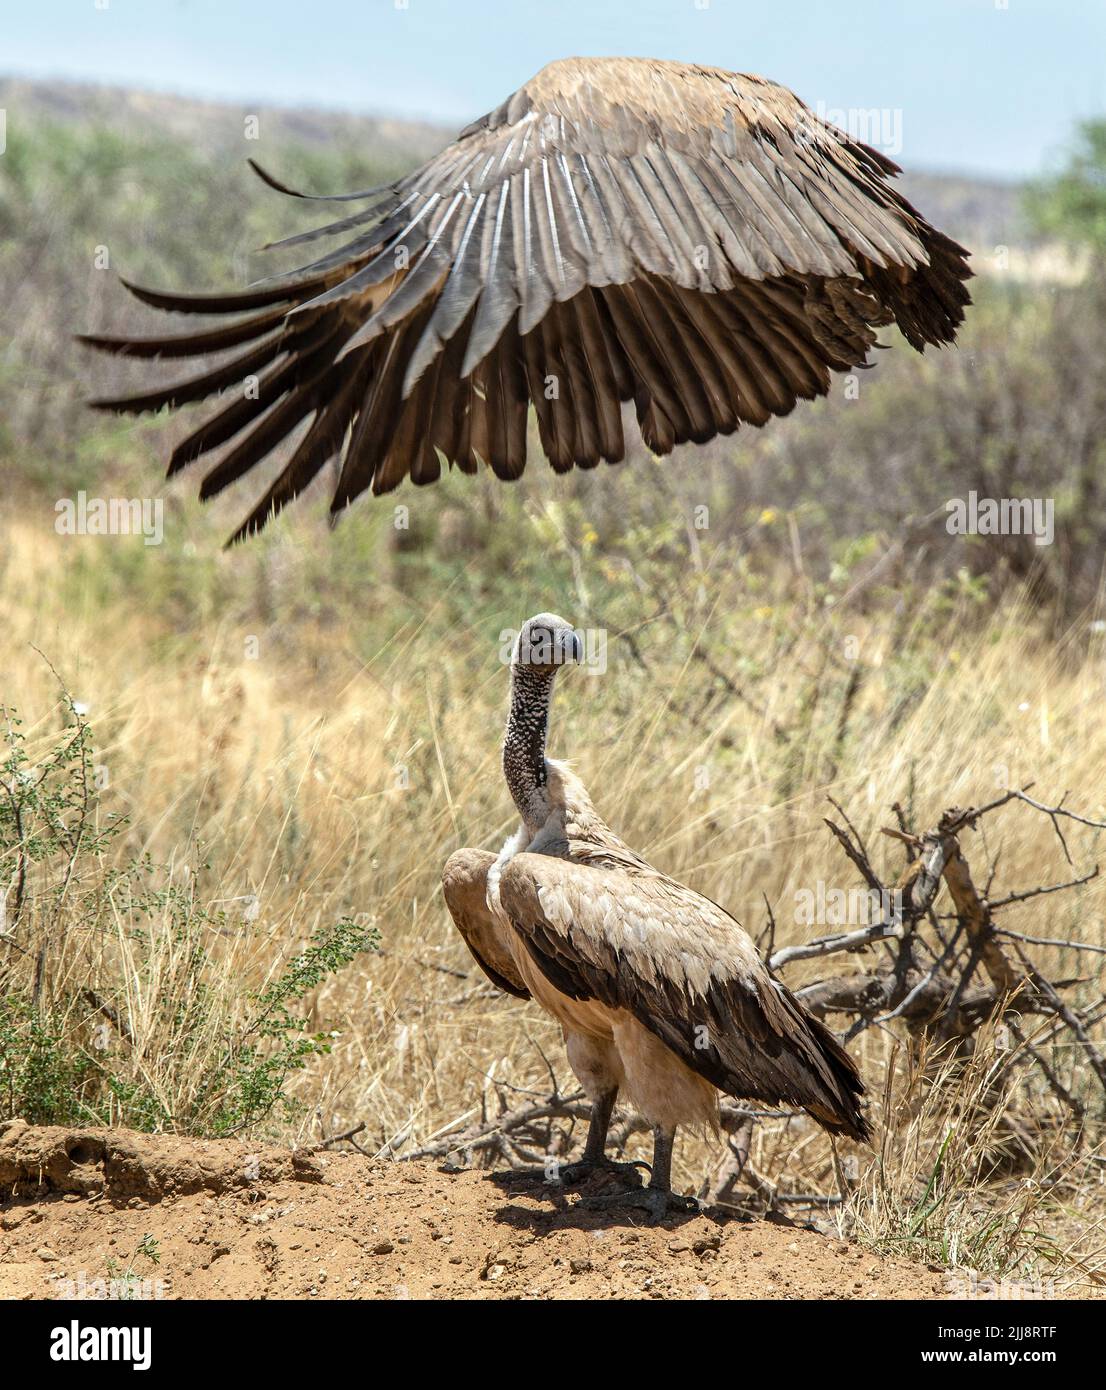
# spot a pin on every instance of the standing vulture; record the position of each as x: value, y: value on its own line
x: 660, y: 993
x: 696, y: 241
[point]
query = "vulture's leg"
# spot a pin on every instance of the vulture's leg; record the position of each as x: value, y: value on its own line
x: 657, y: 1199
x: 595, y: 1063
x: 594, y: 1158
x: 661, y: 1179
x: 601, y: 1111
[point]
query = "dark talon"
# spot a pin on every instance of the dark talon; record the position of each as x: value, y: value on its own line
x: 658, y: 1202
x: 574, y: 1173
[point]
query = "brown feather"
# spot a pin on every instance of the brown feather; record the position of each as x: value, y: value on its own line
x: 693, y: 239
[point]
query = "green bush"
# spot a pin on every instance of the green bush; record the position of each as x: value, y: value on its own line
x: 117, y: 1004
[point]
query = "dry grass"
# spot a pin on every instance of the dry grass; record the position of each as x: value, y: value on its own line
x: 971, y: 1177
x: 330, y: 778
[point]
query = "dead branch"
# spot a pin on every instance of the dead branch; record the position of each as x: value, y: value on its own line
x: 945, y: 1001
x: 1050, y: 941
x: 112, y: 1014
x: 349, y: 1135
x: 975, y: 914
x: 971, y: 816
x: 738, y: 1144
x: 828, y: 945
x: 1028, y: 893
x: 1065, y: 1012
x: 487, y: 1135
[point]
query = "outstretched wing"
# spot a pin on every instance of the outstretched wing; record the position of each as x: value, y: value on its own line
x: 688, y: 973
x: 465, y: 885
x: 692, y: 240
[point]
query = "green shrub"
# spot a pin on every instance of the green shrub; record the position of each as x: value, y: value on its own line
x: 125, y: 996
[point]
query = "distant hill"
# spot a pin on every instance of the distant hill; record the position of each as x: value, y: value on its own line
x: 214, y: 125
x: 982, y: 213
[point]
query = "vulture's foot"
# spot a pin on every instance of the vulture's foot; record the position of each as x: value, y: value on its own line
x: 658, y: 1202
x: 573, y: 1174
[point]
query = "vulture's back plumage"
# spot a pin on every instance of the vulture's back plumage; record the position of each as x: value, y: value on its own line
x: 694, y: 241
x: 603, y: 925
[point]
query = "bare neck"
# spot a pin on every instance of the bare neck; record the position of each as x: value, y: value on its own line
x: 524, y: 744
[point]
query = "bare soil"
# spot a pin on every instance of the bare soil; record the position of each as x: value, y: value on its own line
x: 231, y: 1221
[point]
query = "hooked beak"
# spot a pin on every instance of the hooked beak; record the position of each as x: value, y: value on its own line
x: 568, y: 649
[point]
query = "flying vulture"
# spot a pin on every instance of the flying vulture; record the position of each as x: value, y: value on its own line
x: 659, y: 992
x: 695, y: 241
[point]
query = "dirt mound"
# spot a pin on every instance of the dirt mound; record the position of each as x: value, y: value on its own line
x: 93, y: 1213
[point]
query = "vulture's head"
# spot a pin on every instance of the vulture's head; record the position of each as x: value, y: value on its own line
x: 545, y: 644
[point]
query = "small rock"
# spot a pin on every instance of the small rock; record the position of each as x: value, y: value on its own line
x: 705, y: 1243
x: 580, y: 1265
x: 46, y: 1254
x: 383, y: 1247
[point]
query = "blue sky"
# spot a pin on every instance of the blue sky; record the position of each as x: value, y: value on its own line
x: 983, y: 86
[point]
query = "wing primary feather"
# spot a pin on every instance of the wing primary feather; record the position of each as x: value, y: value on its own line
x: 199, y: 387
x: 321, y: 442
x: 276, y: 424
x: 219, y: 303
x: 185, y: 345
x: 227, y: 422
x: 275, y: 183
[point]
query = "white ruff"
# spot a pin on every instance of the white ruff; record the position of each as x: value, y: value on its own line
x: 553, y: 830
x: 518, y: 842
